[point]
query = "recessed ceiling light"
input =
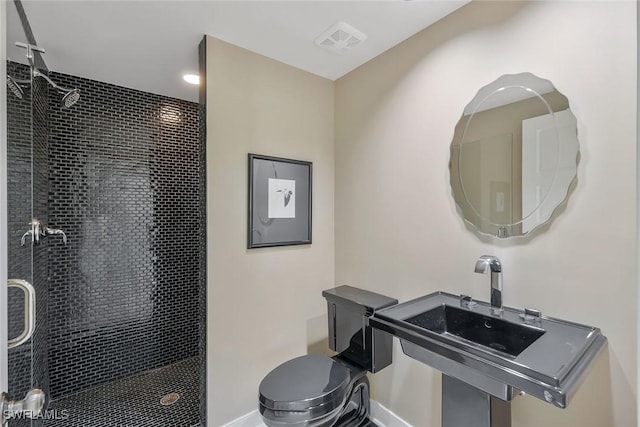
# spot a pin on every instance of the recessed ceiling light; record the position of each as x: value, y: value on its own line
x: 193, y: 79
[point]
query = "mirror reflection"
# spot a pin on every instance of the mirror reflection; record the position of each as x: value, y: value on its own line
x: 513, y: 155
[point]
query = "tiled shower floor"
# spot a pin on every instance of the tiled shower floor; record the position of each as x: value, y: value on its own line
x: 135, y: 401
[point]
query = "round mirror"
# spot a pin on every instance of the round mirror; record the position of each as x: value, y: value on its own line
x: 514, y: 155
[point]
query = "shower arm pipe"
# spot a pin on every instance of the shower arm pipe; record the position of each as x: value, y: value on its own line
x: 37, y: 73
x: 20, y: 81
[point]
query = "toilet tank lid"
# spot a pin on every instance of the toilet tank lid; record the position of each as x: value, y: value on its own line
x: 371, y: 301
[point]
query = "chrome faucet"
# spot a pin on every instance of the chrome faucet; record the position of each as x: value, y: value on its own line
x: 484, y: 263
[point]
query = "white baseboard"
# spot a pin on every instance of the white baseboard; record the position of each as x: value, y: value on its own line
x: 384, y: 417
x: 380, y: 415
x: 252, y: 419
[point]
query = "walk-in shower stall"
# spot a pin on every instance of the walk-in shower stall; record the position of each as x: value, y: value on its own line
x: 106, y: 222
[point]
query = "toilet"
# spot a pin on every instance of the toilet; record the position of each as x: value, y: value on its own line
x: 316, y: 390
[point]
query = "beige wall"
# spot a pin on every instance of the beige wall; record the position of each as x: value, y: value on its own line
x: 397, y: 229
x: 264, y: 305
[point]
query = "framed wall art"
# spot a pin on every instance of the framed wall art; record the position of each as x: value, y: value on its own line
x: 279, y: 202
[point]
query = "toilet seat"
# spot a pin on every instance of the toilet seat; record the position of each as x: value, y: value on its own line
x: 310, y: 389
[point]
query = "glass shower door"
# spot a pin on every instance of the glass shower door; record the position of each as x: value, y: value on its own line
x: 27, y: 193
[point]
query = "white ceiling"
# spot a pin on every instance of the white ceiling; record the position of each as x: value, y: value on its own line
x: 149, y: 44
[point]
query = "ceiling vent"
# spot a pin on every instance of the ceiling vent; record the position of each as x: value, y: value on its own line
x: 340, y: 38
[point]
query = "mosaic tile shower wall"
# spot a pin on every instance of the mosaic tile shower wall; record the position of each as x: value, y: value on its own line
x: 124, y: 186
x: 27, y: 153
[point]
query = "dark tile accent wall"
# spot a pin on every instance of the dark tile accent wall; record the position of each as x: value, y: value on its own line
x: 124, y: 185
x: 28, y: 172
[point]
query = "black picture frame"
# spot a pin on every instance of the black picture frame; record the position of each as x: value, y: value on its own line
x: 279, y: 202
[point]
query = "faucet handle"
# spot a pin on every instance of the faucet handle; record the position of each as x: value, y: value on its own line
x: 531, y: 316
x: 467, y: 302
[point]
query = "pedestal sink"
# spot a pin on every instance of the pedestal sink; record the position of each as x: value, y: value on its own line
x: 486, y: 360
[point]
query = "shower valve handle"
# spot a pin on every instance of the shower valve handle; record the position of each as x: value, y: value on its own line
x: 34, y: 234
x: 23, y: 240
x: 38, y: 230
x: 46, y: 231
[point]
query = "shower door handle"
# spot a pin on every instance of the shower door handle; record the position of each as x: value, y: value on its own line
x: 30, y: 407
x: 29, y: 311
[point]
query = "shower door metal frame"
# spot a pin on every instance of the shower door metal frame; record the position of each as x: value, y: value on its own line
x: 3, y: 202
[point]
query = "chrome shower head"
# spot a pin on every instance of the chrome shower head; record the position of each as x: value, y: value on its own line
x: 70, y: 97
x: 13, y: 85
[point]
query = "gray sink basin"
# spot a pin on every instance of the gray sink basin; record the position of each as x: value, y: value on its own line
x: 493, y: 333
x: 500, y: 355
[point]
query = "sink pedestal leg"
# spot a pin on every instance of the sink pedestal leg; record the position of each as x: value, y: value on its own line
x: 466, y: 406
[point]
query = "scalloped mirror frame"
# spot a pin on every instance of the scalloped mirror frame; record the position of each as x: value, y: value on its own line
x: 504, y: 145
